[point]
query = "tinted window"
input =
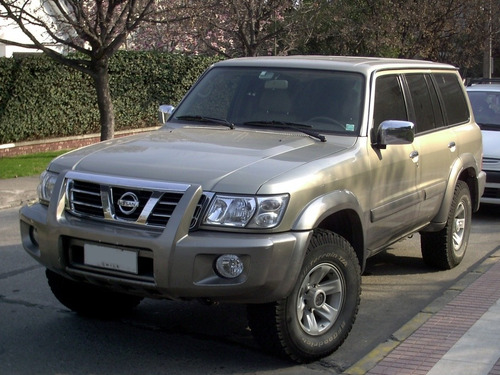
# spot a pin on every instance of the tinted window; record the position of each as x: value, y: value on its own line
x: 425, y: 103
x: 453, y: 98
x: 389, y: 100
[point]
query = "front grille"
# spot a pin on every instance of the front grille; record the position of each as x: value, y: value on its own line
x: 85, y: 198
x: 126, y: 201
x: 164, y: 209
x: 491, y: 193
x: 492, y: 177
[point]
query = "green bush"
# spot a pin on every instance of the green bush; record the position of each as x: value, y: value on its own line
x: 40, y: 98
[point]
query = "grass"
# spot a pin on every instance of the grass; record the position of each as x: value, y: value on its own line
x: 26, y: 165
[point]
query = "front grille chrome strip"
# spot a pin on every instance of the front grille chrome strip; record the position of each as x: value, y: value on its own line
x: 107, y: 206
x: 127, y: 182
x: 148, y: 208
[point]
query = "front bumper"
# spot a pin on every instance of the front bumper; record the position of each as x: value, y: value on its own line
x: 173, y: 263
x: 492, y: 189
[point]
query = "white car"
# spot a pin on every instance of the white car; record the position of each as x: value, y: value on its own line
x: 485, y: 100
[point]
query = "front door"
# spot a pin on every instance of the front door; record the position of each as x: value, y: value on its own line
x: 395, y: 199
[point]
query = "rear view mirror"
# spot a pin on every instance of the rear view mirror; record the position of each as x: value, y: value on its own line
x: 394, y: 132
x: 164, y: 112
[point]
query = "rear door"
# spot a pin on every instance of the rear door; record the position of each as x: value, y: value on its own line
x: 435, y: 142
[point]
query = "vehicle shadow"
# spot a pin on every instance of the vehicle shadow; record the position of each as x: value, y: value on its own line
x: 487, y: 212
x: 388, y: 263
x: 160, y: 337
x: 404, y: 257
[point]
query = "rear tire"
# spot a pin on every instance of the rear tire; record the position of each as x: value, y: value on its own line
x: 90, y: 300
x: 446, y: 249
x: 315, y: 319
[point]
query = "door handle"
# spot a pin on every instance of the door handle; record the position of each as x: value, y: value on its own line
x: 414, y: 156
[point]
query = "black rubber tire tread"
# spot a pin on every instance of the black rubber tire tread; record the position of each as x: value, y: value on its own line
x: 274, y: 325
x: 89, y: 300
x: 437, y: 247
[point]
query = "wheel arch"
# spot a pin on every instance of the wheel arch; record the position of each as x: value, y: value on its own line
x: 338, y: 212
x: 464, y: 169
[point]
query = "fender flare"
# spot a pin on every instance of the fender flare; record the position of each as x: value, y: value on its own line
x: 461, y: 164
x: 322, y: 207
x: 319, y: 209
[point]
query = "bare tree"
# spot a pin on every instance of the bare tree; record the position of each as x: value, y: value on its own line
x: 240, y: 27
x: 94, y: 29
x: 171, y: 29
x: 230, y: 28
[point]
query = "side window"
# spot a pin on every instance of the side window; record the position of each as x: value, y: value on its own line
x: 389, y: 100
x: 428, y: 114
x: 453, y: 98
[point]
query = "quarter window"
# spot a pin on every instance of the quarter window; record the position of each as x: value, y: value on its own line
x: 453, y: 98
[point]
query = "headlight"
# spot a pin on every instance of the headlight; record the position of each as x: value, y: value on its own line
x: 246, y: 211
x: 46, y: 186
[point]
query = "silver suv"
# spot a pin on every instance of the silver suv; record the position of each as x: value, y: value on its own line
x: 270, y: 184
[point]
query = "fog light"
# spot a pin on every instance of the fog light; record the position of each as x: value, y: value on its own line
x: 229, y: 266
x: 34, y: 236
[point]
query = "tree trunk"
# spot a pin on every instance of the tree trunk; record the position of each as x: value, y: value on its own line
x: 105, y: 104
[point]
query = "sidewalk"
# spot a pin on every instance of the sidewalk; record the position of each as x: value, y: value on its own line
x: 16, y: 192
x: 458, y: 333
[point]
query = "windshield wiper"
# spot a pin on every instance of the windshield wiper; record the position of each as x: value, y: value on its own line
x: 199, y: 118
x: 303, y: 128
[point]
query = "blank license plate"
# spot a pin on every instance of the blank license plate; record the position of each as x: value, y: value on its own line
x: 110, y: 258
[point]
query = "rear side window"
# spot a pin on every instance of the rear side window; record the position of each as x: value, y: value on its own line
x: 453, y: 98
x: 428, y: 115
x: 389, y: 100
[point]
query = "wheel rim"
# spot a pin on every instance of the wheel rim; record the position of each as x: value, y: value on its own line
x: 320, y: 299
x: 459, y: 226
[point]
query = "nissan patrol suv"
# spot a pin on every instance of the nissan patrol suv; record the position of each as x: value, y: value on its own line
x: 270, y: 184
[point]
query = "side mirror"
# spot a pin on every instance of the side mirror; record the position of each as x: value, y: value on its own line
x: 164, y: 112
x: 394, y: 132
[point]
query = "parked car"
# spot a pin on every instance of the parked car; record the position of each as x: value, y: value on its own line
x: 485, y: 101
x: 270, y: 184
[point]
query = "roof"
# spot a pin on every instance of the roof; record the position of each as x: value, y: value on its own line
x: 350, y: 63
x: 492, y: 87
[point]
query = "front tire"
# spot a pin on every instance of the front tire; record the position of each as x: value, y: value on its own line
x: 315, y: 319
x: 89, y: 300
x: 446, y: 249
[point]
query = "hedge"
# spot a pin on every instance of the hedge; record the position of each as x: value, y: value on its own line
x: 41, y: 99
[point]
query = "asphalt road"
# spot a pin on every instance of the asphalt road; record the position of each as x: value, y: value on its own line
x: 39, y: 336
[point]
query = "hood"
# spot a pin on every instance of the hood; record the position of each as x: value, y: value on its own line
x: 218, y: 159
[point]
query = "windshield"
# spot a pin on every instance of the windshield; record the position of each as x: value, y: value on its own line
x: 486, y: 108
x: 323, y: 101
